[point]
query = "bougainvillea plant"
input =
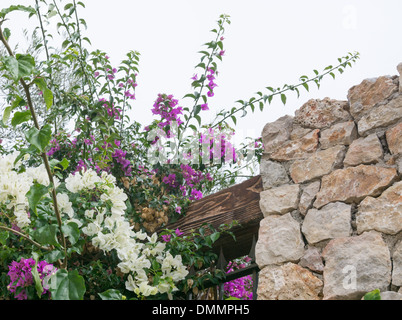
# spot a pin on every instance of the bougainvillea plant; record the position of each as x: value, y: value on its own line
x: 86, y: 192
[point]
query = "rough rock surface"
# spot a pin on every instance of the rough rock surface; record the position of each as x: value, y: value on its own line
x: 364, y: 151
x: 383, y: 214
x: 399, y: 68
x: 391, y: 295
x: 353, y: 184
x: 366, y: 95
x: 317, y: 165
x: 276, y: 133
x: 279, y: 241
x: 331, y: 221
x: 318, y: 114
x: 288, y: 282
x: 273, y: 174
x: 312, y: 260
x: 381, y: 116
x: 279, y: 200
x: 308, y: 196
x: 355, y: 266
x: 397, y: 265
x: 339, y: 134
x: 394, y: 139
x: 297, y: 149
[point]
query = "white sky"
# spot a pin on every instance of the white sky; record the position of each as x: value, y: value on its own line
x: 269, y: 43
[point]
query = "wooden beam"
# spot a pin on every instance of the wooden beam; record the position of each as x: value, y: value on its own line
x: 241, y: 203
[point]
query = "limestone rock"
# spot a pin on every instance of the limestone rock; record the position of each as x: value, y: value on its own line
x: 276, y: 133
x: 312, y: 260
x: 394, y: 139
x: 317, y: 165
x: 397, y: 265
x: 381, y: 116
x: 365, y: 96
x: 353, y: 184
x: 364, y: 151
x: 399, y: 68
x: 279, y: 200
x: 355, y: 266
x: 383, y: 214
x: 297, y: 149
x: 318, y: 114
x: 299, y: 132
x: 288, y: 282
x: 308, y: 196
x: 390, y: 295
x: 339, y: 134
x: 279, y: 241
x: 273, y: 174
x: 331, y: 221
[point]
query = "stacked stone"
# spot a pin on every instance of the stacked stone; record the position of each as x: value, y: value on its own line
x: 332, y: 199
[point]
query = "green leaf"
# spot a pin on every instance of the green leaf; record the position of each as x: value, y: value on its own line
x: 7, y: 33
x: 37, y: 279
x: 47, y: 94
x: 111, y: 294
x: 72, y: 231
x: 67, y: 285
x: 11, y: 65
x: 53, y: 256
x: 198, y: 118
x: 64, y: 163
x: 6, y: 114
x: 6, y: 11
x: 26, y: 65
x: 35, y: 195
x: 3, y: 237
x: 283, y: 98
x: 39, y: 138
x: 373, y: 295
x: 197, y: 110
x: 215, y: 236
x: 20, y: 117
x: 46, y: 235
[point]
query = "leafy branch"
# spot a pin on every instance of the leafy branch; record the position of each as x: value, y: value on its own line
x: 215, y: 46
x: 262, y: 99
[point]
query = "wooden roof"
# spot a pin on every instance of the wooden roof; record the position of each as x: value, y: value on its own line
x: 241, y: 203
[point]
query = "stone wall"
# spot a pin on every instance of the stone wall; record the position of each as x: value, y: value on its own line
x: 332, y: 199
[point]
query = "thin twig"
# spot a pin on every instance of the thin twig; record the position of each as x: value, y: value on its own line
x: 25, y: 237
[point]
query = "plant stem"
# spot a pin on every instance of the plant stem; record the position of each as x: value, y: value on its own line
x: 25, y: 237
x: 316, y: 79
x: 43, y: 154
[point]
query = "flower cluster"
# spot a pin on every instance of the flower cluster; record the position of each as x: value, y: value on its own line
x: 15, y: 185
x: 192, y: 179
x: 166, y: 107
x: 21, y: 277
x: 127, y: 93
x: 240, y: 288
x: 109, y: 230
x: 211, y: 83
x: 120, y: 156
x: 170, y: 180
x: 111, y: 110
